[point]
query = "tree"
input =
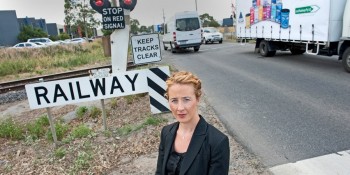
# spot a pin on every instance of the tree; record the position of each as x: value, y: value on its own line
x: 79, y: 15
x: 134, y: 26
x: 208, y: 21
x: 143, y: 29
x: 150, y: 28
x: 28, y: 32
x: 63, y: 36
x: 69, y: 16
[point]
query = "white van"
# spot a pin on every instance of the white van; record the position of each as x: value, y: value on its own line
x: 183, y: 31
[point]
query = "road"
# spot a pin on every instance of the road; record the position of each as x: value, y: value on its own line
x: 284, y: 108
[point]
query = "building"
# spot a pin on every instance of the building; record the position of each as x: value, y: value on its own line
x: 9, y: 28
x: 54, y: 29
x: 35, y: 23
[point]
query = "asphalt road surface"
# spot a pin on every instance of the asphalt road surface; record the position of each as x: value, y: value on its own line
x: 283, y: 109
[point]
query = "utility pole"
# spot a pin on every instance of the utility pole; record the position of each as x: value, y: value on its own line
x: 163, y: 23
x: 196, y: 5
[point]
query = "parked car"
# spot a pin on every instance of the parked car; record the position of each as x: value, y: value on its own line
x: 67, y: 41
x: 91, y: 39
x: 26, y: 45
x: 41, y: 44
x: 46, y: 41
x: 78, y: 40
x: 211, y: 34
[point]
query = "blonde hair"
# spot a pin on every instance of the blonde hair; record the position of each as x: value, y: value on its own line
x: 184, y: 77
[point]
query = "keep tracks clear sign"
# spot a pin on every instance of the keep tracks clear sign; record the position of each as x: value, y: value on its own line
x: 113, y: 18
x: 146, y: 48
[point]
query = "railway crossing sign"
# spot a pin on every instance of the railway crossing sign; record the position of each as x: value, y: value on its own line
x: 146, y: 48
x: 75, y: 90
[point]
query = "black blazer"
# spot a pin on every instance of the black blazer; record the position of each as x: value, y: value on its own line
x: 207, y: 153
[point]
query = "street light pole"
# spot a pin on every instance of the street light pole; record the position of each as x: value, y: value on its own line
x: 196, y: 5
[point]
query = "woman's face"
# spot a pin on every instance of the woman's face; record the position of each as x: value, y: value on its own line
x: 183, y: 102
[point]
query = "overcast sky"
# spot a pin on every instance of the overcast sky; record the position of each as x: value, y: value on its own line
x: 148, y: 12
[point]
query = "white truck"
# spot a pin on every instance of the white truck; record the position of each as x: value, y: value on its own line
x: 318, y: 27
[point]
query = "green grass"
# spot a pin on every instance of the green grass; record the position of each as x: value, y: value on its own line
x: 125, y: 130
x: 11, y: 130
x: 81, y: 162
x: 38, y: 128
x: 81, y: 131
x: 151, y: 120
x: 114, y: 103
x: 95, y: 112
x: 154, y: 121
x: 81, y: 111
x: 61, y: 131
x: 60, y: 152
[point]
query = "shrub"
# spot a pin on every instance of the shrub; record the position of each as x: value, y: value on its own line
x: 81, y: 131
x: 28, y: 32
x: 43, y: 120
x: 81, y: 111
x: 38, y: 128
x: 61, y: 130
x: 60, y: 153
x: 10, y: 130
x: 81, y: 162
x: 125, y: 130
x: 95, y: 112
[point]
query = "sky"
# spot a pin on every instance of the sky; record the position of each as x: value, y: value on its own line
x: 147, y: 12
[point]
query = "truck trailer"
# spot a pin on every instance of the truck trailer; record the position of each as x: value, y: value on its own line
x: 317, y: 27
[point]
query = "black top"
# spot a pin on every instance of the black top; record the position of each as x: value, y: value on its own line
x: 207, y: 154
x: 174, y: 162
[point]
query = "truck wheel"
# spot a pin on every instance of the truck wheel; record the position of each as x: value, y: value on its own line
x: 297, y: 51
x: 165, y: 47
x: 220, y: 41
x: 346, y: 59
x: 264, y: 49
x: 196, y: 49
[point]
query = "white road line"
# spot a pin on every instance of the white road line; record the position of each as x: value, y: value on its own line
x: 331, y: 164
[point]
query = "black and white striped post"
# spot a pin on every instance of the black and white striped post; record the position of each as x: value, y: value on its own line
x: 156, y: 83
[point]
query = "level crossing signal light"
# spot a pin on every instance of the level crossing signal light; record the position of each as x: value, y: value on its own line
x: 128, y: 4
x: 98, y: 5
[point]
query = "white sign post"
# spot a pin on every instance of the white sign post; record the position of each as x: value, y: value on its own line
x: 119, y: 45
x: 146, y: 48
x: 101, y: 73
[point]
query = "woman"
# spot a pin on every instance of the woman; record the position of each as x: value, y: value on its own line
x: 190, y: 146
